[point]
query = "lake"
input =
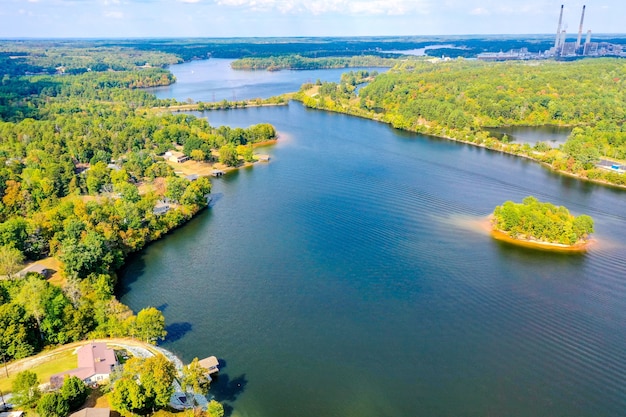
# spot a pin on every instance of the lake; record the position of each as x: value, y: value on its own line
x: 552, y: 135
x: 214, y: 80
x: 348, y: 277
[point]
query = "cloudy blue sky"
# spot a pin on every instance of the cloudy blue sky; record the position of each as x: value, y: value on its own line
x: 227, y: 18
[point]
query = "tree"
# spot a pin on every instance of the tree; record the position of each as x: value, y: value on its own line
x: 197, y: 155
x: 97, y: 177
x: 145, y: 385
x: 215, y: 409
x: 128, y: 192
x: 53, y: 404
x: 18, y: 338
x: 157, y: 375
x: 176, y: 186
x: 75, y: 392
x: 128, y: 397
x: 195, y: 377
x: 25, y: 389
x: 228, y: 155
x: 33, y: 296
x: 246, y: 152
x: 10, y: 260
x: 150, y: 325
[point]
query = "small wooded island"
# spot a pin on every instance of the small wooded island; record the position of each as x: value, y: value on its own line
x: 541, y: 225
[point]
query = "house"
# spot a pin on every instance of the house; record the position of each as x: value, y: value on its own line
x: 92, y: 412
x: 192, y: 177
x: 36, y: 268
x: 160, y: 208
x: 95, y: 363
x: 176, y: 156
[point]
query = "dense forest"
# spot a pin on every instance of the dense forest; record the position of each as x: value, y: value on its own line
x: 83, y: 179
x: 544, y: 222
x: 459, y: 99
x: 298, y: 62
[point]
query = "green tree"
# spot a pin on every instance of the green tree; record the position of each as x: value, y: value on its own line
x: 246, y: 152
x: 145, y: 386
x: 157, y: 375
x: 150, y: 325
x: 53, y: 404
x: 75, y: 392
x: 18, y: 338
x: 25, y: 389
x: 215, y: 409
x: 197, y: 155
x: 228, y: 155
x: 33, y: 296
x: 97, y: 177
x: 10, y: 260
x: 196, y: 378
x: 128, y: 397
x: 176, y: 187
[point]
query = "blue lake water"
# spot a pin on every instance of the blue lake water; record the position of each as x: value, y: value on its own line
x: 214, y: 80
x: 348, y: 277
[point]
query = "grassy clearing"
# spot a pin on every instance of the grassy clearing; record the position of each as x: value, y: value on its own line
x: 58, y: 362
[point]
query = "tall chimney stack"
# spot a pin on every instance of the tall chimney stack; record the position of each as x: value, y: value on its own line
x: 588, y: 40
x: 580, y: 29
x: 558, y: 29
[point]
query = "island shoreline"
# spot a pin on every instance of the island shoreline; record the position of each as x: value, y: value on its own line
x: 487, y: 224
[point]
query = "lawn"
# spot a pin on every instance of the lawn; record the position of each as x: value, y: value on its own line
x: 58, y: 362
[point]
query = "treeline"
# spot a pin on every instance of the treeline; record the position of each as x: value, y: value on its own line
x: 534, y: 220
x: 298, y: 62
x: 38, y: 96
x: 75, y: 57
x: 459, y: 99
x: 35, y: 314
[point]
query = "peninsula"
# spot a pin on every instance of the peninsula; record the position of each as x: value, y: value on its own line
x: 541, y: 225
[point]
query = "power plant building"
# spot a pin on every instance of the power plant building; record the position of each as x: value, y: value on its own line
x: 563, y: 49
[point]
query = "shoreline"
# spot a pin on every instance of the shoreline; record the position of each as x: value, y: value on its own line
x: 377, y: 118
x: 497, y: 234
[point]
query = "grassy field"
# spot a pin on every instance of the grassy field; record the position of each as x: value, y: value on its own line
x: 58, y: 362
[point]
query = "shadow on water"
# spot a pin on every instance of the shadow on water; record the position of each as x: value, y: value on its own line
x: 162, y: 307
x: 215, y: 198
x: 524, y: 254
x: 176, y: 331
x: 225, y: 389
x: 133, y: 269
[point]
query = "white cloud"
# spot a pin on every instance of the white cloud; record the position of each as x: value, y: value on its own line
x: 319, y: 7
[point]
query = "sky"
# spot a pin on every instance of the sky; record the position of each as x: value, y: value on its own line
x: 252, y: 18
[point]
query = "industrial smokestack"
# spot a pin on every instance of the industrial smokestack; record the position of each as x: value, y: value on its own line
x: 588, y: 40
x: 558, y: 29
x: 580, y: 29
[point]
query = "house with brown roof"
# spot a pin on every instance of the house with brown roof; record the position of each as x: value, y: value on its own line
x: 95, y: 364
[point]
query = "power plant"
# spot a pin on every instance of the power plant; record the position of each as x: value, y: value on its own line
x: 572, y: 49
x: 562, y: 49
